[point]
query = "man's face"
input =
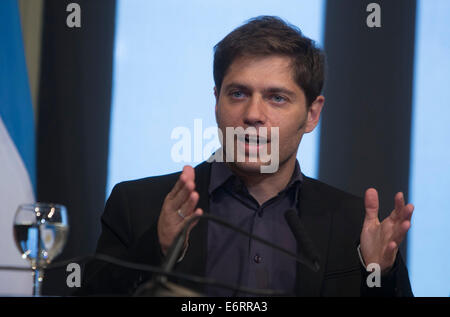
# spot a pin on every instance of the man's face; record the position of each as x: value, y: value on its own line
x: 261, y: 92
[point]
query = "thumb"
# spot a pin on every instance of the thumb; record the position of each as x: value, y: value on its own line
x: 371, y: 204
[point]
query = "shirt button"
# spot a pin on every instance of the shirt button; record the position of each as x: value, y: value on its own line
x: 257, y: 258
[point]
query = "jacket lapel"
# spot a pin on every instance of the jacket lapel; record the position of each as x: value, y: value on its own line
x: 317, y: 220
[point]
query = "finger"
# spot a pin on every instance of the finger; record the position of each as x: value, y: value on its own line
x: 188, y: 206
x: 186, y: 175
x: 182, y: 196
x: 400, y: 231
x: 187, y: 179
x: 391, y: 252
x: 189, y: 172
x: 178, y: 185
x: 407, y: 212
x: 198, y: 212
x: 399, y: 204
x: 371, y: 204
x: 409, y: 209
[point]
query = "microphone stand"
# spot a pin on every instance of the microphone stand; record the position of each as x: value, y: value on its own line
x: 159, y: 285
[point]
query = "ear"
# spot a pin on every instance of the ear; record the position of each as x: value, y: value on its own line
x: 314, y: 114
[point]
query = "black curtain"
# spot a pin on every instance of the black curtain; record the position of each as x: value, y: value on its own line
x: 366, y: 122
x: 73, y: 122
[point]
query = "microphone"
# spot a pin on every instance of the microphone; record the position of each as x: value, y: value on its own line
x: 303, y: 240
x: 177, y: 246
x: 167, y: 289
x: 159, y: 285
x: 308, y: 257
x: 311, y: 261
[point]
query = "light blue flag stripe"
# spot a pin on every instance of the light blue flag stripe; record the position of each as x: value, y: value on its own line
x: 16, y: 108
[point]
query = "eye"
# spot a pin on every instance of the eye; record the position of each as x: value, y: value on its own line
x: 278, y: 99
x: 237, y: 94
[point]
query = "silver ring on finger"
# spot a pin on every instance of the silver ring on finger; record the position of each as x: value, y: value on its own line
x: 180, y: 214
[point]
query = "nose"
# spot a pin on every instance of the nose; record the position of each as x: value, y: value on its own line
x: 255, y: 114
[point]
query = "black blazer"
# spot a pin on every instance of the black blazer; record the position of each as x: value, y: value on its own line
x: 332, y: 218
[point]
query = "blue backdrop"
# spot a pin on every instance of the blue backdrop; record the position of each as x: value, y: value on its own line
x: 428, y: 248
x: 163, y: 76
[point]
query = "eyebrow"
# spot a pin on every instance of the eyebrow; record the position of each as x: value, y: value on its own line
x: 236, y: 86
x: 276, y: 90
x: 272, y: 90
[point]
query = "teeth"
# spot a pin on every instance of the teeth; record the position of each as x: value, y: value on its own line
x: 255, y: 139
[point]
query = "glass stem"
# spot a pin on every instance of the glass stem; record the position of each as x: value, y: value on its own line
x: 38, y: 277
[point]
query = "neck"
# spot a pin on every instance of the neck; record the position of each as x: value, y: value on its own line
x: 265, y: 186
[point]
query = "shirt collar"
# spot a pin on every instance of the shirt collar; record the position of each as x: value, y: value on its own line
x: 221, y: 173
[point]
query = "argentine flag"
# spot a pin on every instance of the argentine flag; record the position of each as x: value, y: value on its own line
x: 17, y: 152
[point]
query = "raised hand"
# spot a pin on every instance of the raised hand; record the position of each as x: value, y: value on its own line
x: 178, y: 208
x: 380, y: 241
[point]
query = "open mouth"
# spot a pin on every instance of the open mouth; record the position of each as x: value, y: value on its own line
x: 255, y: 140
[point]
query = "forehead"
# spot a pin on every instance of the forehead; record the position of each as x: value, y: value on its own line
x: 261, y: 71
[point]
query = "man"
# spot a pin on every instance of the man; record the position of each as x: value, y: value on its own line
x: 267, y: 76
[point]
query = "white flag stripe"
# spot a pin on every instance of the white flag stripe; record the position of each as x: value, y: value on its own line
x: 15, y: 189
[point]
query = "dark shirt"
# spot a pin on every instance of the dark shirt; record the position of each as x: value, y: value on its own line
x: 236, y: 259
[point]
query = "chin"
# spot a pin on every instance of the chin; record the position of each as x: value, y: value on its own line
x: 248, y: 167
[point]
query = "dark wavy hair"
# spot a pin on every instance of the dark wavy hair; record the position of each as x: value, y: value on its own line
x: 270, y: 35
